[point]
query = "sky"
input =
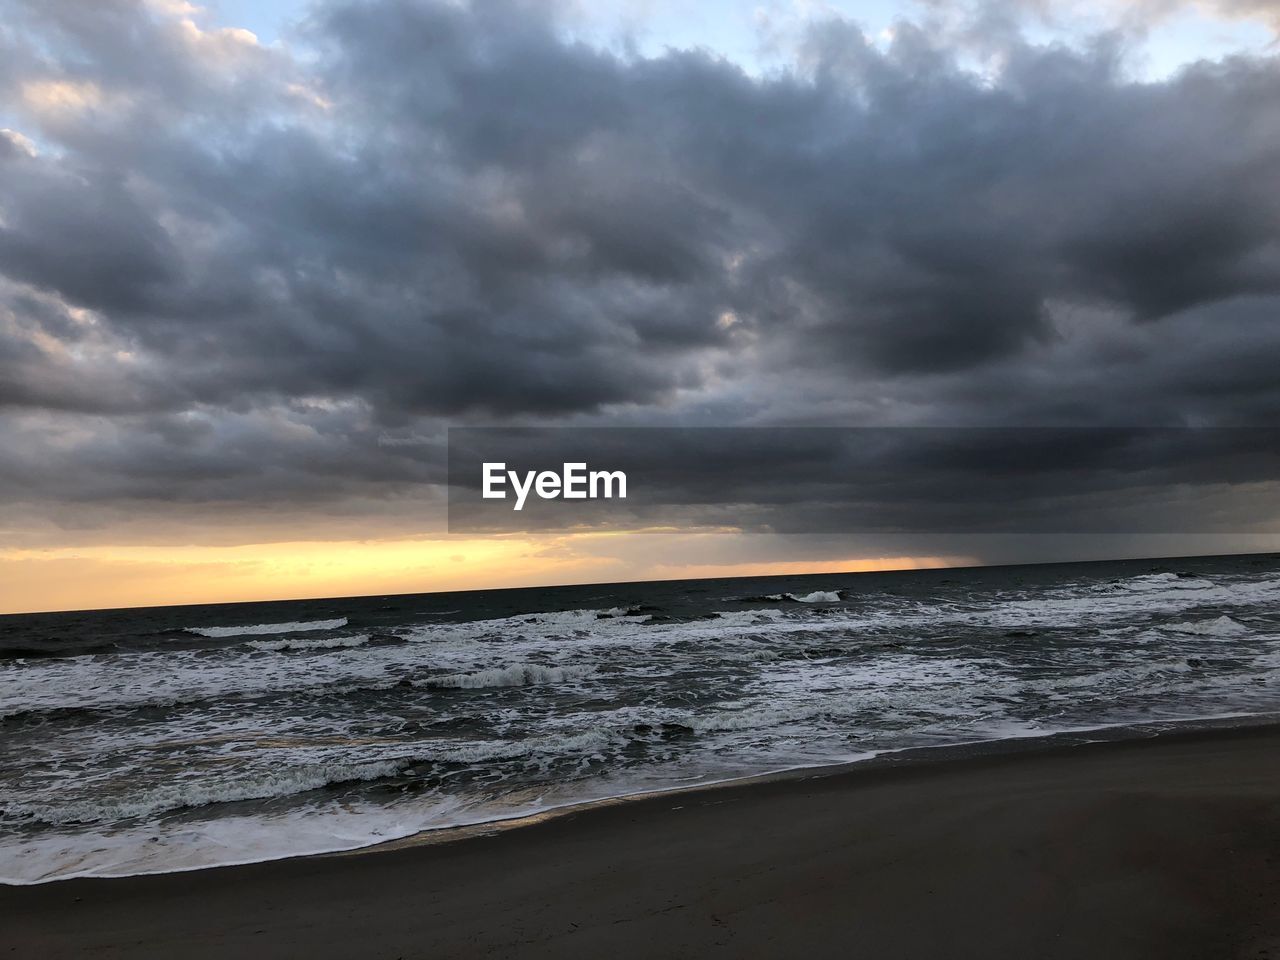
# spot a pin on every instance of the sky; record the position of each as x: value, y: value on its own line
x: 256, y: 258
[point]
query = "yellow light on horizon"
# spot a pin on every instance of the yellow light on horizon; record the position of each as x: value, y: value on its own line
x: 99, y: 577
x: 82, y: 578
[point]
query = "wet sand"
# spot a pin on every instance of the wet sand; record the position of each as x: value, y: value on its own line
x: 1165, y: 848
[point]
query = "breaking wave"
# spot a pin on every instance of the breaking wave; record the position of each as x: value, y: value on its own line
x: 264, y: 629
x: 330, y: 643
x: 1223, y: 626
x: 516, y: 675
x: 179, y: 796
x: 818, y: 596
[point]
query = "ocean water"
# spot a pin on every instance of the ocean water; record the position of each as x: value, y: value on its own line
x: 173, y: 738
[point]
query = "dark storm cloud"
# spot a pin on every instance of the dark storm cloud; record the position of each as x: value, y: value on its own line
x: 240, y: 273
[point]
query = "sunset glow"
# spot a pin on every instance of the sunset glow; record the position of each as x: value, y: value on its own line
x: 96, y: 577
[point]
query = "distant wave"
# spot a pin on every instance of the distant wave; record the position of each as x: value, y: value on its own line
x: 516, y: 675
x: 261, y: 629
x: 1158, y: 581
x: 818, y: 596
x: 315, y: 643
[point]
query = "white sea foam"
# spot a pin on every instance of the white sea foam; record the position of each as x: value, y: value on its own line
x: 254, y: 838
x: 261, y: 629
x: 137, y: 850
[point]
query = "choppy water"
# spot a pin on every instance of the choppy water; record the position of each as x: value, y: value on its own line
x: 170, y: 738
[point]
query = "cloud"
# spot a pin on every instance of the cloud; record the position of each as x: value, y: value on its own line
x: 233, y: 273
x: 1264, y: 11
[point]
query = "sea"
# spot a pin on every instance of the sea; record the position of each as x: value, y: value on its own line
x: 174, y: 738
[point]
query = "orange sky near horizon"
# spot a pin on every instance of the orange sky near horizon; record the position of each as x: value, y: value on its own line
x: 105, y: 576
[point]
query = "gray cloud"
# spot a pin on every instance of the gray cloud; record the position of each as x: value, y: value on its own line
x: 231, y: 273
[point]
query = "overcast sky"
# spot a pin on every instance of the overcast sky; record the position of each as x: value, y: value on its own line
x: 254, y: 259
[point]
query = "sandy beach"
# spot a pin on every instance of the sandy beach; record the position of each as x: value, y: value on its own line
x: 1159, y: 848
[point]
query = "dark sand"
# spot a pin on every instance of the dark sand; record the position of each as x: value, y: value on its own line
x: 1163, y: 849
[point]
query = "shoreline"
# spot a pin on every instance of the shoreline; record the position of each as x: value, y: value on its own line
x: 892, y: 757
x: 1162, y: 846
x: 895, y: 758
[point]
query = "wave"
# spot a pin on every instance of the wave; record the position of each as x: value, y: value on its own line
x: 179, y: 796
x: 260, y: 629
x: 240, y: 769
x: 290, y: 781
x: 321, y: 643
x: 818, y: 596
x: 516, y: 675
x: 478, y: 651
x: 1158, y: 581
x: 1223, y: 626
